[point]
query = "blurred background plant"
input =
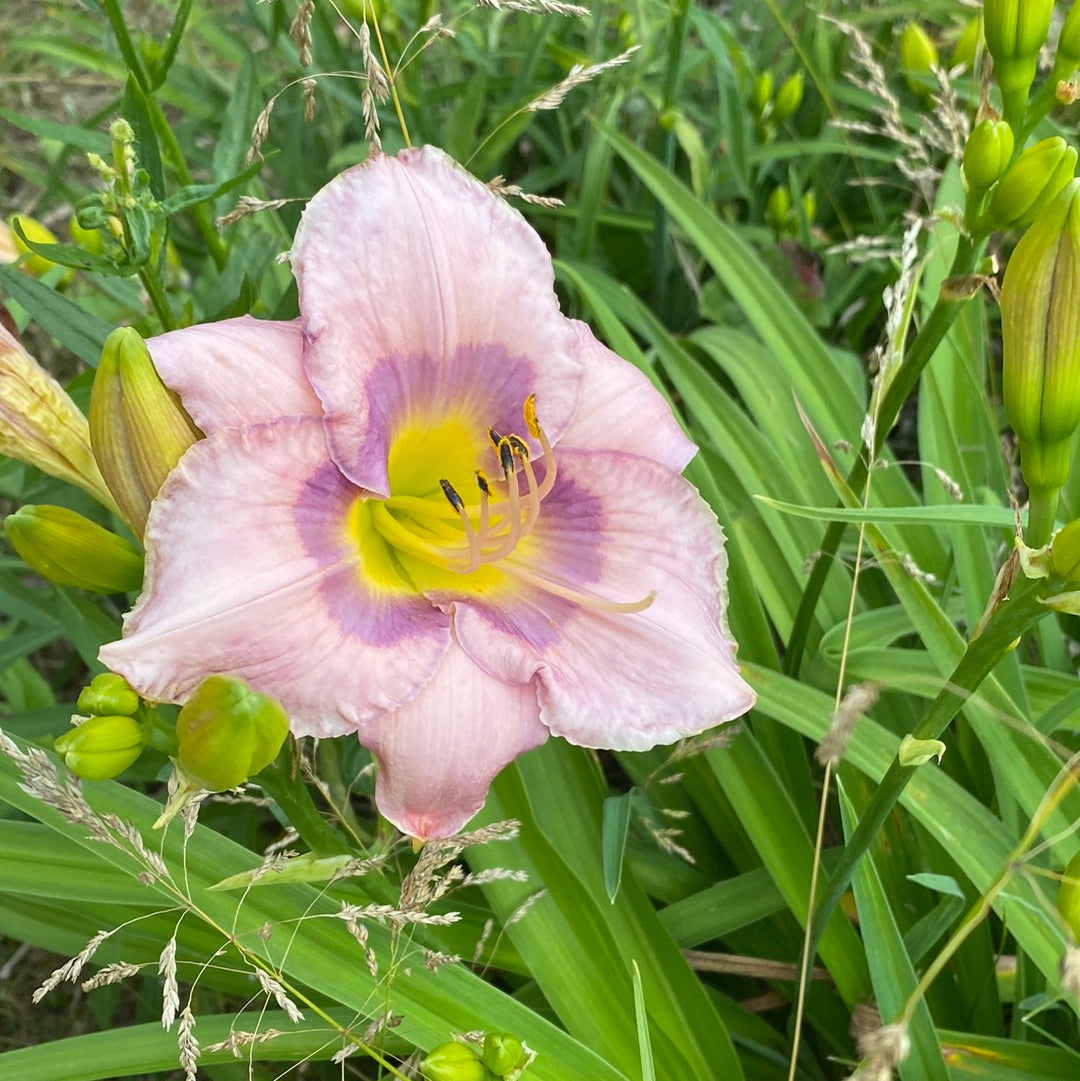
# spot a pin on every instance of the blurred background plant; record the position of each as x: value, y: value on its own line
x: 760, y: 204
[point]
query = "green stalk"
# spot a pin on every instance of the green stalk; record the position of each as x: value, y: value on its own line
x: 1042, y: 513
x: 918, y: 355
x: 1015, y: 617
x: 291, y: 794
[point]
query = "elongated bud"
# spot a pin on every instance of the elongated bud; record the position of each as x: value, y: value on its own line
x: 918, y: 54
x: 1031, y: 183
x: 101, y: 747
x: 788, y: 98
x: 108, y: 694
x: 1040, y: 330
x: 967, y: 45
x: 778, y: 210
x: 761, y: 93
x: 1015, y: 31
x: 41, y: 425
x: 987, y: 154
x: 227, y: 733
x: 454, y: 1062
x: 69, y: 550
x: 1067, y: 58
x: 138, y: 427
x: 502, y: 1052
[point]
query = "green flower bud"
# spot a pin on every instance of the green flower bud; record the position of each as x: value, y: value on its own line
x: 1015, y: 31
x: 138, y: 427
x: 101, y: 747
x: 502, y: 1052
x: 69, y: 550
x: 108, y: 694
x: 1067, y: 58
x: 454, y: 1062
x: 987, y: 154
x: 1032, y: 182
x: 227, y: 733
x: 809, y: 205
x: 1068, y: 898
x: 761, y: 93
x: 1040, y: 331
x: 967, y: 45
x: 918, y: 54
x: 778, y: 209
x: 1065, y: 552
x: 788, y: 98
x: 41, y: 425
x: 39, y: 234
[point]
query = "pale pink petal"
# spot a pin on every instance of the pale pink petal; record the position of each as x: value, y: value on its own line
x: 423, y: 294
x: 251, y: 572
x: 621, y: 410
x: 618, y: 527
x: 236, y: 372
x: 439, y: 753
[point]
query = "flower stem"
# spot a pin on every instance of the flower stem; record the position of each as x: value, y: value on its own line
x: 289, y: 792
x: 918, y: 355
x: 1012, y: 619
x: 1042, y: 512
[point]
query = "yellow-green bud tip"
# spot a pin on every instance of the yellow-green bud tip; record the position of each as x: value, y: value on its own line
x: 108, y: 694
x: 1032, y: 182
x: 69, y: 550
x: 454, y: 1062
x: 987, y: 154
x: 502, y: 1052
x: 227, y: 733
x: 101, y: 747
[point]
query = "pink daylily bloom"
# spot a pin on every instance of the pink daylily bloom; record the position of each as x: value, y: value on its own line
x: 432, y: 511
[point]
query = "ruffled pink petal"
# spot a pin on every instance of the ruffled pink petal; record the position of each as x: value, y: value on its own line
x: 621, y: 410
x: 619, y: 527
x: 423, y: 294
x: 250, y: 572
x: 439, y: 753
x: 236, y: 372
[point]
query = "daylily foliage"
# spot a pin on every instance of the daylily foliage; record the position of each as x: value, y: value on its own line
x: 432, y: 510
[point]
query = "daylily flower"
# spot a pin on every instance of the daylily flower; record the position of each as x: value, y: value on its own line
x: 432, y: 511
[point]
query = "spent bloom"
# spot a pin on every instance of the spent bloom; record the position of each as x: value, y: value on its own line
x: 432, y: 511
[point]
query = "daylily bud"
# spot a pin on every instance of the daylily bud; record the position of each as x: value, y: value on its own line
x: 39, y: 234
x: 108, y: 694
x: 1015, y: 31
x: 1067, y: 58
x: 1068, y: 898
x: 788, y: 98
x: 138, y: 427
x: 1040, y: 331
x: 69, y: 550
x: 454, y: 1062
x: 918, y: 54
x: 41, y: 425
x: 1032, y: 182
x: 101, y: 747
x: 967, y: 44
x: 761, y: 93
x: 778, y: 209
x: 987, y: 154
x: 809, y: 205
x: 227, y: 732
x: 502, y: 1052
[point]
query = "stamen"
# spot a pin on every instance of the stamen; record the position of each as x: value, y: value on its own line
x: 506, y: 458
x: 470, y: 534
x: 495, y: 438
x: 572, y: 593
x: 518, y: 447
x: 529, y: 412
x: 451, y: 494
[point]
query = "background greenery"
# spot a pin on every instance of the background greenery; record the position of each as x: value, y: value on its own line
x: 761, y: 326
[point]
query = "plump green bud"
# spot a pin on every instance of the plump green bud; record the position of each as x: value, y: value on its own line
x: 1065, y: 552
x: 101, y: 747
x: 1032, y: 182
x: 918, y: 54
x: 1015, y: 31
x: 1040, y: 331
x: 778, y: 209
x: 227, y: 733
x: 69, y: 550
x: 788, y: 98
x: 987, y: 154
x: 138, y: 428
x: 108, y: 694
x: 967, y: 45
x: 502, y: 1052
x: 761, y: 93
x: 809, y: 205
x: 1068, y: 898
x: 454, y: 1062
